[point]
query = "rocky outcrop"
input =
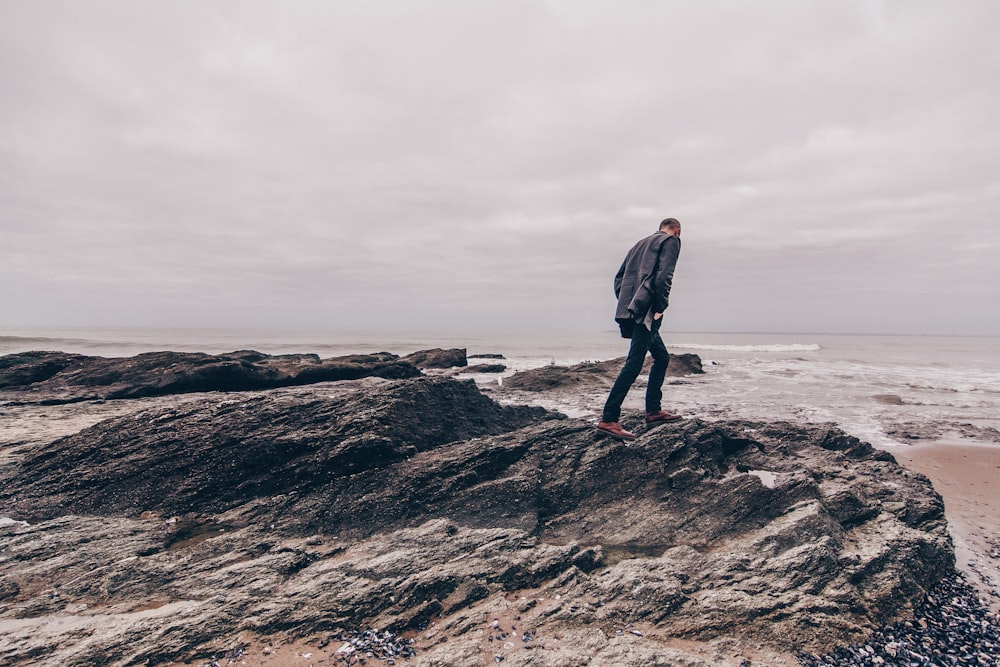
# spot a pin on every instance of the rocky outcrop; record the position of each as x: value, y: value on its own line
x: 481, y: 530
x: 209, y: 456
x: 593, y: 373
x: 58, y: 377
x: 438, y: 358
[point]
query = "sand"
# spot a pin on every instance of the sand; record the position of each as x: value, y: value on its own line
x: 968, y: 478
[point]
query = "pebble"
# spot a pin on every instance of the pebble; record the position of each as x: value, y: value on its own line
x: 386, y: 646
x: 233, y: 657
x: 951, y: 627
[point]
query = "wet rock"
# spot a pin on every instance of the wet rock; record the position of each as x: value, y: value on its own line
x: 550, y: 377
x: 485, y: 368
x: 174, y: 533
x: 908, y: 431
x: 487, y: 356
x: 592, y: 374
x: 684, y: 364
x: 57, y: 377
x: 438, y: 358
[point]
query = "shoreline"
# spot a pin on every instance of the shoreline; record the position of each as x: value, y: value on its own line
x: 967, y: 475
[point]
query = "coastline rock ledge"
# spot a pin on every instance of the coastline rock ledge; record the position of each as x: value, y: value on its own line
x: 482, y: 533
x: 52, y: 378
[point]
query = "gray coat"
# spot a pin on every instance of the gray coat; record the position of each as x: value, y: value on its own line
x: 642, y: 284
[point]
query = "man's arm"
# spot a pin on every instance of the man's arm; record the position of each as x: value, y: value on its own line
x: 618, y: 278
x: 664, y: 276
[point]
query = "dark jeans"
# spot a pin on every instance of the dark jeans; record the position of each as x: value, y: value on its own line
x: 643, y: 340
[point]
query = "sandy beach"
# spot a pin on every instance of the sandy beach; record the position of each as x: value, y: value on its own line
x: 968, y: 478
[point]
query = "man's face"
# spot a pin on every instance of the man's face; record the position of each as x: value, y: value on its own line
x: 677, y: 232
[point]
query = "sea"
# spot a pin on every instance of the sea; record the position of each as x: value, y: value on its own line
x: 885, y: 389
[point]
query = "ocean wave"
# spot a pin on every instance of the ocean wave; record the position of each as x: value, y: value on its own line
x: 26, y: 339
x: 793, y: 347
x: 958, y: 387
x: 51, y: 343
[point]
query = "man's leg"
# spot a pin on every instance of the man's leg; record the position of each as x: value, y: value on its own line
x: 661, y: 358
x: 630, y: 371
x: 654, y: 389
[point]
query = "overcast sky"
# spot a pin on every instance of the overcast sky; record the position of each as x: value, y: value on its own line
x: 473, y: 165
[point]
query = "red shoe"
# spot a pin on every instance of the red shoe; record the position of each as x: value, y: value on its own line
x: 615, y: 430
x: 661, y: 417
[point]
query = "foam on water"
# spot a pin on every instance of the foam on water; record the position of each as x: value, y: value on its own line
x: 779, y: 348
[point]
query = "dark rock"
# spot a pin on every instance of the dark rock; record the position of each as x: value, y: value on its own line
x: 485, y: 368
x: 421, y: 505
x: 550, y: 377
x: 209, y: 456
x: 18, y: 370
x: 684, y: 364
x: 56, y: 377
x: 438, y: 358
x: 593, y: 373
x: 487, y: 356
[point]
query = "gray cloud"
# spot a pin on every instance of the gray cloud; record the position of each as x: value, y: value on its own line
x: 475, y: 165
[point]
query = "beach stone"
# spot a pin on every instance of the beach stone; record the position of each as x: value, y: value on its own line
x: 485, y: 368
x: 57, y: 377
x: 438, y: 358
x: 422, y: 507
x: 684, y: 364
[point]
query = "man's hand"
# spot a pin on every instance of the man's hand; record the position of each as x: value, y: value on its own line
x: 657, y: 316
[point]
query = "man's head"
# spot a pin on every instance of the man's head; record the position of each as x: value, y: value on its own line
x: 671, y: 226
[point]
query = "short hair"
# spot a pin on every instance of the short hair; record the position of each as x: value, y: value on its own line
x: 670, y: 223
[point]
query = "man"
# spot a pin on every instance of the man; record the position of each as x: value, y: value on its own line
x: 642, y: 288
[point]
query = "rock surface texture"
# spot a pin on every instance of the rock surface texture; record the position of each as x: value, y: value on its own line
x: 483, y: 533
x: 58, y: 377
